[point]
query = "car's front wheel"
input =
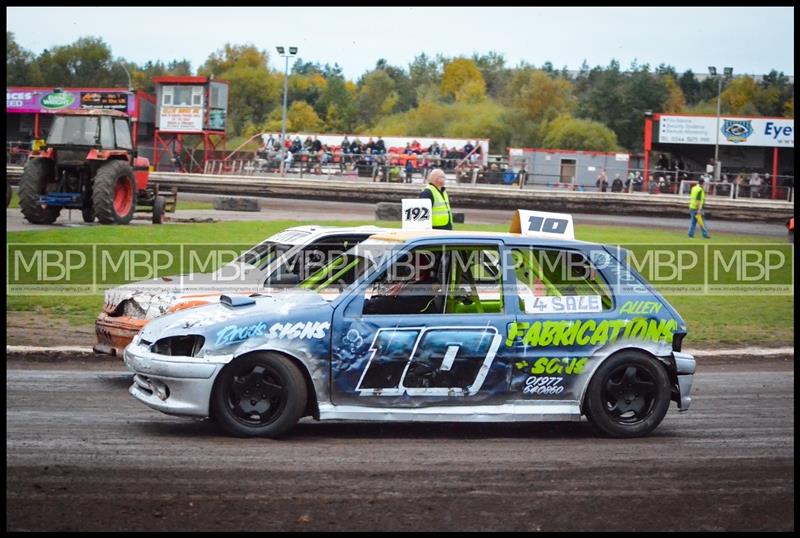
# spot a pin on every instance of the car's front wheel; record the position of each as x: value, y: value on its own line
x: 628, y: 396
x: 259, y: 395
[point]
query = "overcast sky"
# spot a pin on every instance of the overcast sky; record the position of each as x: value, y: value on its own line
x: 751, y: 40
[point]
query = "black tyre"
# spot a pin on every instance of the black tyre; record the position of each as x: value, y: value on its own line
x: 628, y: 395
x: 159, y: 204
x: 262, y: 395
x: 114, y: 193
x: 35, y: 181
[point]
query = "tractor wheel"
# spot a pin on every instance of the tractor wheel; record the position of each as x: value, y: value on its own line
x: 114, y: 193
x: 159, y: 204
x: 88, y: 214
x: 36, y: 177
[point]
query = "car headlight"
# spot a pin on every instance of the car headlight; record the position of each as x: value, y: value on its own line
x: 184, y: 346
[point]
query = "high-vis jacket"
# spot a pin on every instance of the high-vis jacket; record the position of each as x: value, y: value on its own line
x: 697, y: 195
x: 442, y: 215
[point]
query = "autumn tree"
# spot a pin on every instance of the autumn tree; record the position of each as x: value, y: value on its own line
x: 740, y: 95
x: 676, y: 102
x: 462, y: 79
x: 300, y: 117
x: 254, y: 90
x: 539, y: 96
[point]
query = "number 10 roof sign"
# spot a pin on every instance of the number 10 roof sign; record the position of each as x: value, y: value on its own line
x: 543, y: 224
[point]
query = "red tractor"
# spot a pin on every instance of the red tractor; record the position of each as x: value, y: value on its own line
x: 88, y: 163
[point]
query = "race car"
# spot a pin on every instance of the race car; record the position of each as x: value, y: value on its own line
x: 430, y: 326
x: 280, y: 260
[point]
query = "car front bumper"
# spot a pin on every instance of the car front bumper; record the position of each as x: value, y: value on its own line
x: 172, y: 385
x: 115, y: 332
x: 685, y: 365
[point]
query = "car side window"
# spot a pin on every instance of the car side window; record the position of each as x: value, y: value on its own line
x: 557, y: 273
x: 439, y: 280
x: 322, y: 252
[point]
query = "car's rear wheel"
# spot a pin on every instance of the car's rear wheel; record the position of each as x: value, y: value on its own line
x: 260, y: 395
x: 628, y: 395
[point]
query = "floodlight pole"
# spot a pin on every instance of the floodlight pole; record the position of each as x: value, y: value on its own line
x: 292, y: 52
x: 728, y: 71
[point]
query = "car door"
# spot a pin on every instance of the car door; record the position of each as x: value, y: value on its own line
x: 426, y: 329
x: 565, y: 320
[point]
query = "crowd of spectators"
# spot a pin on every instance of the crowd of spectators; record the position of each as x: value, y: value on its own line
x: 369, y: 158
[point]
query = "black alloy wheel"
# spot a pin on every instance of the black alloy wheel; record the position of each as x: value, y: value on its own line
x: 260, y: 395
x: 628, y: 395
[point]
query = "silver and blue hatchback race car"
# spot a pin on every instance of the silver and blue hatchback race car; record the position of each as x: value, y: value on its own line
x: 429, y: 326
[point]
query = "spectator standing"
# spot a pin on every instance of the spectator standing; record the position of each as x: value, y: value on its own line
x: 602, y: 180
x: 755, y: 185
x: 468, y: 147
x: 616, y: 185
x: 638, y: 180
x: 697, y: 200
x: 442, y: 215
x: 380, y: 146
x: 409, y: 170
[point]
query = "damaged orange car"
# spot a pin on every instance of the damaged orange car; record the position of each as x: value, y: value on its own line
x: 281, y: 260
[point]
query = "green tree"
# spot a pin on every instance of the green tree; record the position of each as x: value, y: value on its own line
x: 86, y: 62
x: 376, y: 96
x: 20, y: 63
x: 339, y: 100
x: 567, y: 132
x: 690, y: 87
x: 494, y: 72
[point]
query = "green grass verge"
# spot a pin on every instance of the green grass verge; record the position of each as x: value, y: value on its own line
x: 712, y: 319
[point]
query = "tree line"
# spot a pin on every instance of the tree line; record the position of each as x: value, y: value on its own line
x: 598, y: 108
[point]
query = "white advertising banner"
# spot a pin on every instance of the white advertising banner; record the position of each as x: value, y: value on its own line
x: 733, y: 131
x: 181, y: 118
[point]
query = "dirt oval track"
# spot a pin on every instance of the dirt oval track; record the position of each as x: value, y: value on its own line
x: 82, y: 454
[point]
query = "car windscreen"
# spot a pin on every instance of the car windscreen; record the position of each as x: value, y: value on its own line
x: 263, y: 254
x: 331, y: 280
x: 75, y: 130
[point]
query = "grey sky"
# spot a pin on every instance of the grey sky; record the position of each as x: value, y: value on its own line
x: 751, y: 40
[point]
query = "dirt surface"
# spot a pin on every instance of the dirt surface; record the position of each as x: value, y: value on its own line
x: 33, y: 329
x: 82, y: 454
